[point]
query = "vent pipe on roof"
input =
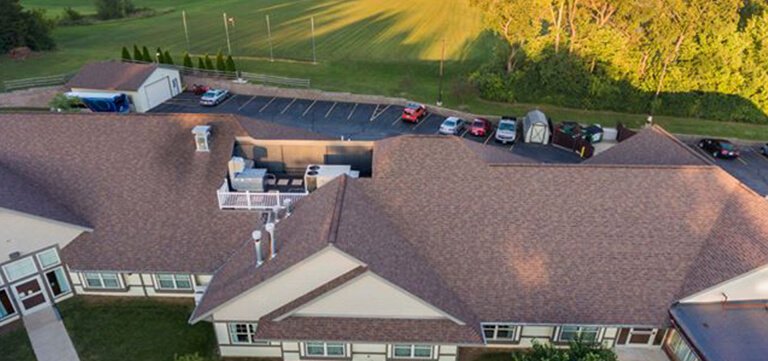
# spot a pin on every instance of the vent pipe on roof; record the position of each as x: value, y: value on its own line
x: 270, y: 227
x: 256, y: 235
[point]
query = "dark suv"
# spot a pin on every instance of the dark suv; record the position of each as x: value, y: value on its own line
x: 719, y: 148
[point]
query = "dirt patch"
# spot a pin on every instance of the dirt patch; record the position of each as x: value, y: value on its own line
x: 29, y: 98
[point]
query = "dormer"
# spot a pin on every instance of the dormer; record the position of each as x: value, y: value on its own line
x: 202, y: 138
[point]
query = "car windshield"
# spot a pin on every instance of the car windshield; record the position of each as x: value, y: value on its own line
x: 449, y: 122
x: 209, y: 94
x: 412, y: 105
x: 507, y: 126
x: 727, y: 146
x: 478, y: 123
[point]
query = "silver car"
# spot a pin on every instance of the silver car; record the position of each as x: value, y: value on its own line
x: 452, y: 126
x: 507, y: 130
x: 764, y: 149
x: 214, y: 97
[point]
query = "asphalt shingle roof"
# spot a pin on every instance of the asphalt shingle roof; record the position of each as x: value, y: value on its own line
x: 111, y: 75
x: 650, y: 146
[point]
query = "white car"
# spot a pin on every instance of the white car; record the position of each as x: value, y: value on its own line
x: 452, y: 126
x: 507, y: 130
x: 214, y: 97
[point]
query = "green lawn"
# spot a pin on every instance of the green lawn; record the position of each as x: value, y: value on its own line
x: 15, y: 345
x: 364, y: 46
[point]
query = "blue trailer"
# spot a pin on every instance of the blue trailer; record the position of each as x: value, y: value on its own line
x: 104, y: 102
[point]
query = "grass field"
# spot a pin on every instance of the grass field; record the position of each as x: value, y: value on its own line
x: 367, y: 46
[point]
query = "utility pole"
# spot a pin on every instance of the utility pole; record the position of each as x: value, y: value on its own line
x: 314, y: 54
x: 440, y: 83
x: 269, y: 39
x: 226, y: 31
x: 186, y: 32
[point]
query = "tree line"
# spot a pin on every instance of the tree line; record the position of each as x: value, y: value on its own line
x: 164, y: 57
x: 704, y: 58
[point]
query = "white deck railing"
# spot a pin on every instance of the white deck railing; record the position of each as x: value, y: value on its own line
x: 257, y: 200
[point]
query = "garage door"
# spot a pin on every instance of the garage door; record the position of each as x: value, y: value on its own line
x: 157, y: 92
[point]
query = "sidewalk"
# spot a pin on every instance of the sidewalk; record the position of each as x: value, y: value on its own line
x: 49, y: 337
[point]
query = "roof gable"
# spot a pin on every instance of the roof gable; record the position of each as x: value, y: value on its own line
x: 112, y: 75
x: 651, y: 146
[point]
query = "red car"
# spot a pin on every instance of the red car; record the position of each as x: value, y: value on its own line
x: 414, y: 112
x: 480, y: 127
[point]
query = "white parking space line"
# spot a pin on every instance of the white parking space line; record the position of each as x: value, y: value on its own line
x: 377, y: 112
x: 742, y: 160
x: 464, y: 133
x: 288, y: 106
x: 760, y: 155
x: 246, y: 103
x: 422, y: 121
x: 489, y: 137
x: 228, y: 99
x: 352, y: 111
x: 512, y: 147
x: 308, y: 108
x: 330, y: 110
x: 396, y: 120
x: 266, y: 105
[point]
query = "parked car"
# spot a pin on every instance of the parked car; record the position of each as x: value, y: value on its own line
x: 452, y: 126
x: 480, y: 127
x: 764, y: 149
x: 506, y: 132
x: 199, y: 89
x: 214, y: 97
x: 414, y: 112
x: 719, y: 148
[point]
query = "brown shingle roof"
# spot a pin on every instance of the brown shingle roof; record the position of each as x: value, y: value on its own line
x: 651, y: 146
x: 137, y: 180
x: 111, y: 75
x: 24, y: 195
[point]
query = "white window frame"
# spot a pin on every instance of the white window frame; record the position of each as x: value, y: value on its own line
x: 250, y: 332
x: 325, y: 349
x: 65, y: 279
x: 679, y: 347
x: 412, y: 351
x: 27, y: 260
x: 103, y: 285
x: 175, y: 279
x: 580, y: 331
x: 515, y: 329
x: 14, y: 312
x: 52, y: 265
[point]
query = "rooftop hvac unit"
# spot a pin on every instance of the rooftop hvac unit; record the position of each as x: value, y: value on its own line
x: 250, y: 179
x: 318, y: 175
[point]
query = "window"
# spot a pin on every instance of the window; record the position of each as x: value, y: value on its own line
x: 585, y: 333
x: 102, y: 280
x: 243, y: 333
x: 680, y: 348
x: 57, y: 282
x: 168, y: 281
x: 20, y: 269
x: 48, y: 258
x: 6, y: 307
x: 499, y: 331
x: 412, y: 351
x: 325, y: 349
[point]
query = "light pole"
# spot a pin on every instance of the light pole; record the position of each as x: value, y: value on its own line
x: 269, y: 39
x: 186, y: 32
x: 314, y: 54
x: 226, y: 31
x: 440, y: 83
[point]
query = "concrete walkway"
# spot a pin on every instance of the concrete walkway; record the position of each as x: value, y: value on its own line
x: 49, y: 337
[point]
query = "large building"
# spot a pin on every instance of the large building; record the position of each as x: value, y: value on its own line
x: 421, y: 247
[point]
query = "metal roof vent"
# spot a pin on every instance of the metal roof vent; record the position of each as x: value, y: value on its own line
x: 202, y: 138
x: 256, y: 235
x: 270, y: 228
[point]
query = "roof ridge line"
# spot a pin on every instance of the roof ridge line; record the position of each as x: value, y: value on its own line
x: 589, y: 165
x: 680, y: 143
x: 333, y: 228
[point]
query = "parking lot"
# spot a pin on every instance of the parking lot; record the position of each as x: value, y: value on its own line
x: 751, y: 168
x: 360, y: 121
x: 356, y: 121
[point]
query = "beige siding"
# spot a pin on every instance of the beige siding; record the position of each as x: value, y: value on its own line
x: 369, y: 296
x: 24, y: 233
x: 750, y: 286
x: 250, y: 351
x: 222, y: 333
x: 369, y: 348
x: 135, y: 284
x: 287, y: 286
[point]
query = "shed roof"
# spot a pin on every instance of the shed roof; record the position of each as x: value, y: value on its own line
x: 112, y: 75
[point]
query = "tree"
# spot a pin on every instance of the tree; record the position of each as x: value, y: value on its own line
x: 167, y: 57
x: 20, y: 27
x: 145, y: 54
x: 137, y: 55
x: 201, y: 64
x: 114, y: 9
x: 209, y: 63
x: 578, y: 351
x: 230, y: 64
x: 220, y: 66
x: 187, y: 61
x: 126, y: 54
